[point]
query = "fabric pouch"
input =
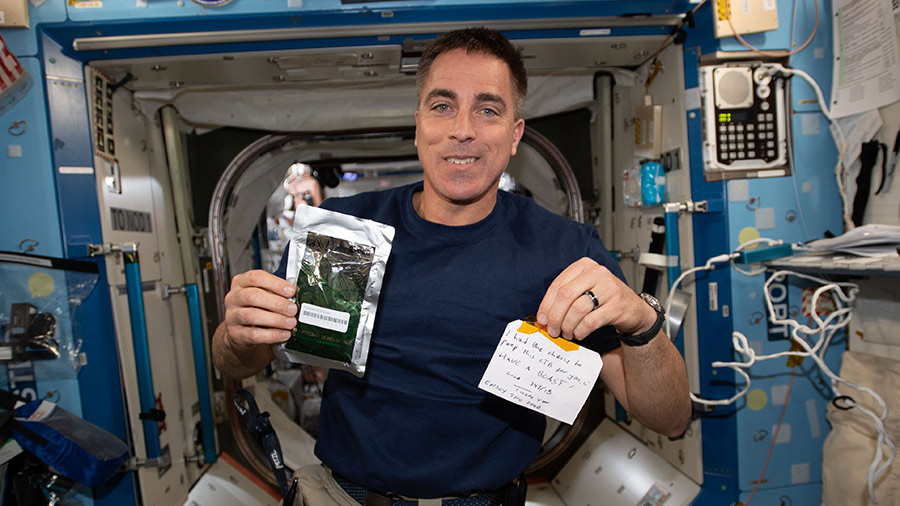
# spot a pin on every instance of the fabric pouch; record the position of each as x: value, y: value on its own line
x: 71, y: 445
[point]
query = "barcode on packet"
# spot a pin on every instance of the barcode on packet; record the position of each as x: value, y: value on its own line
x: 323, y: 317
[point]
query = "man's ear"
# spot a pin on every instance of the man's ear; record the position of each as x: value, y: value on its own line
x: 518, y: 131
x: 416, y: 135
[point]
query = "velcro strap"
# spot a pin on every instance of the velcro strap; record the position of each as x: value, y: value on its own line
x: 656, y: 261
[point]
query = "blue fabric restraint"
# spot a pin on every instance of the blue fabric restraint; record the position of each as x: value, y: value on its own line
x: 73, y: 446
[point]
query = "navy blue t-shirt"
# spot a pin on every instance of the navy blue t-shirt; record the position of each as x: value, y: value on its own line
x: 417, y: 424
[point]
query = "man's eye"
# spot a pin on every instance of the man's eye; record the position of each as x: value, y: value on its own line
x: 441, y: 107
x: 489, y: 112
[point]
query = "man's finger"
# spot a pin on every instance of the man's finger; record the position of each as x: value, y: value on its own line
x: 559, y: 297
x: 581, y: 309
x: 592, y: 321
x: 260, y: 298
x: 249, y: 336
x: 570, y: 303
x: 254, y: 317
x: 265, y: 280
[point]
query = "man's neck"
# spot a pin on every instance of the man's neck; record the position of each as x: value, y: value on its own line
x: 435, y: 209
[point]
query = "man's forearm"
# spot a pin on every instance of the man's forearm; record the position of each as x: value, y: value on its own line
x: 238, y: 363
x: 657, y: 386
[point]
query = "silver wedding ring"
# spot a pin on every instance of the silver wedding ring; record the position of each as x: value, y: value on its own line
x: 593, y: 299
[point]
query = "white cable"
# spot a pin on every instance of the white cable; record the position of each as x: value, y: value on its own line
x: 841, y: 142
x: 709, y: 266
x: 790, y: 144
x: 843, y: 294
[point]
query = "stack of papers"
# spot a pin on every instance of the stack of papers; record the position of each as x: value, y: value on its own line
x: 872, y: 240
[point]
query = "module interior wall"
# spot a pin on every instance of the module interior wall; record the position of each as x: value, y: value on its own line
x: 26, y: 178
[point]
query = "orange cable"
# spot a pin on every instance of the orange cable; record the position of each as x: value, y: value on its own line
x: 768, y: 53
x: 787, y: 399
x: 669, y: 37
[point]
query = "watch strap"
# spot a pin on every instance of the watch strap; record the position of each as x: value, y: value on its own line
x: 645, y: 337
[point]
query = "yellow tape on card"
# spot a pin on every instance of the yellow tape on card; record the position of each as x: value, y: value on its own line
x: 565, y: 344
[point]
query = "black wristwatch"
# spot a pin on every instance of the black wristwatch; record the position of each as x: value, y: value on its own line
x: 645, y: 337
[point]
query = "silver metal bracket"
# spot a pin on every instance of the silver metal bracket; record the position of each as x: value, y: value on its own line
x: 164, y: 461
x: 634, y: 253
x: 167, y: 290
x: 98, y: 250
x: 195, y: 458
x: 689, y: 206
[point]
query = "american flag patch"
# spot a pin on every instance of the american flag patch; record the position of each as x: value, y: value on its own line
x: 11, y: 70
x: 14, y: 80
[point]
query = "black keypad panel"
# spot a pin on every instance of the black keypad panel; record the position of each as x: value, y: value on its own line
x: 747, y: 134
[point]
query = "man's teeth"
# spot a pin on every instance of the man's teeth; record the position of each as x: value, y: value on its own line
x: 460, y: 161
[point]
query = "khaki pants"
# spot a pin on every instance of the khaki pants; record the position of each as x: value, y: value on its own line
x: 318, y: 488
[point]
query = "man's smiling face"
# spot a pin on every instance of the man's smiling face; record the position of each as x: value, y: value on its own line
x: 466, y: 127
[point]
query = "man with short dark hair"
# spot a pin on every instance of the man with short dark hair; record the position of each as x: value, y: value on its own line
x: 466, y: 260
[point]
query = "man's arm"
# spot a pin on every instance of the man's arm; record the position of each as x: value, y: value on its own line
x: 649, y: 381
x: 258, y: 314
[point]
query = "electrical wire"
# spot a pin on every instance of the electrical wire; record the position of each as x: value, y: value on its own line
x: 839, y: 140
x: 790, y: 150
x: 843, y: 294
x: 840, y: 173
x: 790, y: 144
x: 665, y: 43
x: 875, y: 471
x: 710, y: 265
x: 769, y: 53
x: 787, y: 400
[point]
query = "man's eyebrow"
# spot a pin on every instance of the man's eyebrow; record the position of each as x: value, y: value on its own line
x: 441, y: 92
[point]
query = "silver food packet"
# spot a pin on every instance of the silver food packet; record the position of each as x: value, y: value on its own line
x: 337, y: 262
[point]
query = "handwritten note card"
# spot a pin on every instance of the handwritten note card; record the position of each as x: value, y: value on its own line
x: 532, y: 369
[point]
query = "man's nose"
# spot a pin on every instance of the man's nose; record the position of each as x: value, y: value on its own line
x: 463, y: 128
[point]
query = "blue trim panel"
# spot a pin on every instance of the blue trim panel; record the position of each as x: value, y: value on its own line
x: 102, y: 399
x: 482, y: 14
x: 720, y: 458
x: 100, y: 385
x: 380, y: 9
x: 199, y: 346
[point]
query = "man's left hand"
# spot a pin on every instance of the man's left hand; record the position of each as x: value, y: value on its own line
x: 568, y: 310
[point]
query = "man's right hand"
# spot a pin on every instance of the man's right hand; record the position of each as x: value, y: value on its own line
x: 258, y: 314
x: 258, y: 309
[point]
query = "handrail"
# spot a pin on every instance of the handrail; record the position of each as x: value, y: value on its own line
x: 141, y: 348
x: 206, y: 416
x: 112, y: 42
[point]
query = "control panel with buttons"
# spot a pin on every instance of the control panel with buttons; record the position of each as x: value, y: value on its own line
x: 744, y: 120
